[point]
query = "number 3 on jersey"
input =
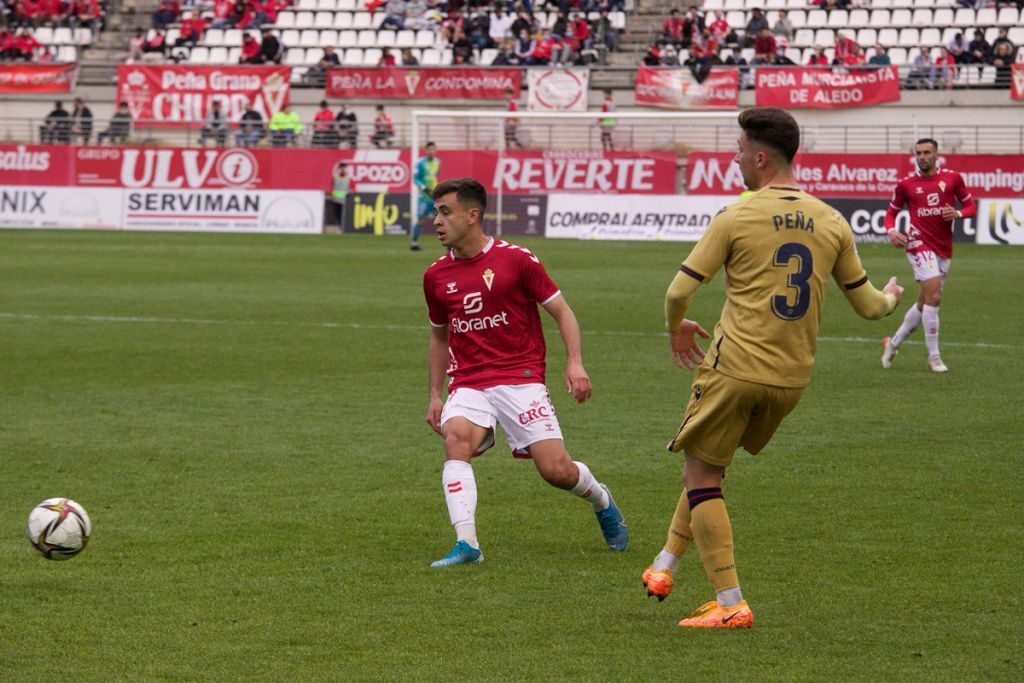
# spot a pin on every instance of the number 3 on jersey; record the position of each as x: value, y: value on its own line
x: 796, y: 282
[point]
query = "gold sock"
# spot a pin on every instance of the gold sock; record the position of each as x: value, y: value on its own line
x: 711, y: 529
x: 679, y: 534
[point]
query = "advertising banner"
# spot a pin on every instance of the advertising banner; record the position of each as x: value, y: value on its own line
x: 867, y: 218
x: 25, y: 206
x: 1017, y: 82
x: 796, y: 87
x: 270, y: 211
x: 37, y: 78
x: 861, y: 175
x: 561, y: 89
x: 35, y: 165
x: 387, y: 213
x: 171, y: 95
x: 676, y: 218
x: 545, y: 171
x: 678, y: 89
x: 398, y: 83
x: 1001, y: 221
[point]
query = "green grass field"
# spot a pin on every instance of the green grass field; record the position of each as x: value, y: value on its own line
x: 243, y: 418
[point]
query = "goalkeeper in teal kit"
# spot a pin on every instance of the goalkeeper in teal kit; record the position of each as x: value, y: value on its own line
x: 425, y: 178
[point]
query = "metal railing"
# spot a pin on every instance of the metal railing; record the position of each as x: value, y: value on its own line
x: 665, y: 134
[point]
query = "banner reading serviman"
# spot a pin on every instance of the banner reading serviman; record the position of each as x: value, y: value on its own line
x: 181, y: 95
x: 438, y: 84
x: 825, y: 89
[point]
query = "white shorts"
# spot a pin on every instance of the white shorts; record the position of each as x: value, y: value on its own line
x: 524, y: 412
x: 927, y: 264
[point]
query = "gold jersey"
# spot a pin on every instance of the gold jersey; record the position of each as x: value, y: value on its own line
x: 778, y: 248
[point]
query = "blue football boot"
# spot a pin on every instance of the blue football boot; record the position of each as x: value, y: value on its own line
x: 462, y: 553
x: 613, y: 525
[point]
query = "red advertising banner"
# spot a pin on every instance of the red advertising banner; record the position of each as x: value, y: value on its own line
x: 447, y: 83
x: 1017, y: 82
x: 678, y: 89
x: 822, y: 88
x: 385, y: 170
x: 861, y: 175
x: 181, y: 95
x: 31, y: 78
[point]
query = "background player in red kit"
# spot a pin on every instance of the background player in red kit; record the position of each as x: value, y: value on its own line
x: 482, y: 299
x: 929, y: 196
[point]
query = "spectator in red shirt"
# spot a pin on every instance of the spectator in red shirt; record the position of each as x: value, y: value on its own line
x: 86, y: 13
x: 819, y: 58
x: 721, y: 31
x: 25, y: 45
x: 167, y: 12
x: 383, y: 128
x: 250, y: 50
x: 844, y: 45
x: 222, y: 15
x: 854, y: 56
x: 764, y: 47
x: 672, y: 31
x: 543, y: 49
x: 55, y: 10
x: 324, y: 134
x: 387, y: 58
x: 6, y: 44
x: 945, y: 68
x: 192, y: 29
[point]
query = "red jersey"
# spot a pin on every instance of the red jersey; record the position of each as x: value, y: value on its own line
x: 489, y: 305
x: 925, y: 196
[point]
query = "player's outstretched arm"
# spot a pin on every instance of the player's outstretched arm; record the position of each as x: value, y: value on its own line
x: 577, y: 382
x: 682, y: 332
x: 437, y: 361
x: 870, y: 303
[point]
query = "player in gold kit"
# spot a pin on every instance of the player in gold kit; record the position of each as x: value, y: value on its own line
x: 778, y: 248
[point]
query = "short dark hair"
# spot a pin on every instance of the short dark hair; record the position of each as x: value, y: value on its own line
x: 774, y: 128
x: 429, y: 144
x: 928, y: 141
x: 469, y: 192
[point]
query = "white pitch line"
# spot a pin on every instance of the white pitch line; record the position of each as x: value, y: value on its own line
x: 377, y: 326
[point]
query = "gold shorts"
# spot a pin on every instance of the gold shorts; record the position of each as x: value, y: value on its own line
x: 725, y: 413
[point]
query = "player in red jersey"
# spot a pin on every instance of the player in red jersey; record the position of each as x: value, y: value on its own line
x: 930, y: 197
x: 482, y: 301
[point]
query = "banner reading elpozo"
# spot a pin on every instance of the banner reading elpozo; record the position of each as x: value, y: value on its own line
x: 460, y: 83
x: 561, y: 89
x: 38, y: 78
x: 676, y: 218
x: 181, y: 95
x: 822, y: 88
x: 1017, y: 82
x: 678, y: 89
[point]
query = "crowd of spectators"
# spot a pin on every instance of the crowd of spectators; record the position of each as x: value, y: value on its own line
x: 20, y: 18
x: 688, y: 39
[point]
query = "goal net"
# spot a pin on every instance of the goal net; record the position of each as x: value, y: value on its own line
x: 505, y: 137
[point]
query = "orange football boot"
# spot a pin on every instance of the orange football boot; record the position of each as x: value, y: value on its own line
x: 713, y: 615
x: 658, y: 583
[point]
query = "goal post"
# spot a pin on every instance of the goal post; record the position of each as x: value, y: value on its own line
x: 591, y: 131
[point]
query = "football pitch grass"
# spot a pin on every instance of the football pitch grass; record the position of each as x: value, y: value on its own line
x: 242, y: 416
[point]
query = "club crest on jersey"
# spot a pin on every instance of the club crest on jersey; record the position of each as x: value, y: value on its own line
x: 942, y: 185
x: 452, y: 288
x: 488, y: 278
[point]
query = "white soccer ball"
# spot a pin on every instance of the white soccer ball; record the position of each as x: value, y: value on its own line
x: 59, y: 528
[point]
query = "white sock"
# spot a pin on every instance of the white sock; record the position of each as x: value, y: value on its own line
x: 589, y: 489
x: 910, y: 322
x: 727, y: 597
x: 665, y: 561
x: 460, y: 494
x: 930, y: 318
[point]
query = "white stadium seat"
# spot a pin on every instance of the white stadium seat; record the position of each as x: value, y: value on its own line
x: 294, y: 55
x: 1008, y: 16
x: 921, y: 17
x: 304, y: 20
x: 213, y: 37
x: 386, y: 38
x: 775, y: 4
x: 859, y: 18
x: 285, y: 20
x: 323, y: 20
x: 405, y: 38
x: 44, y: 34
x: 964, y: 17
x: 199, y: 55
x: 232, y: 37
x: 313, y: 55
x: 234, y: 55
x: 713, y: 5
x: 803, y: 38
x: 367, y: 38
x: 377, y: 19
x: 817, y: 18
x: 63, y: 36
x: 325, y: 5
x: 909, y: 37
x: 306, y: 4
x: 83, y: 36
x: 431, y: 57
x: 328, y: 38
x: 342, y: 20
x: 218, y: 55
x: 900, y: 17
x: 371, y: 57
x: 867, y: 36
x: 838, y: 18
x: 882, y: 4
x: 734, y: 4
x: 347, y: 5
x: 943, y: 17
x: 736, y: 19
x: 67, y: 53
x: 930, y: 36
x: 1016, y: 36
x: 825, y: 37
x: 897, y: 55
x: 879, y: 18
x: 353, y: 57
x: 888, y: 36
x: 347, y: 38
x: 290, y: 37
x: 361, y: 20
x: 425, y: 38
x: 985, y: 17
x: 309, y: 38
x: 797, y: 17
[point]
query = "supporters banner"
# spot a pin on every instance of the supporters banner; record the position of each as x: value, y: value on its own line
x: 678, y: 89
x: 803, y: 87
x: 181, y: 95
x: 38, y: 78
x: 1001, y: 221
x: 861, y: 175
x: 24, y: 206
x: 1017, y: 82
x: 676, y: 218
x: 447, y: 83
x: 558, y: 89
